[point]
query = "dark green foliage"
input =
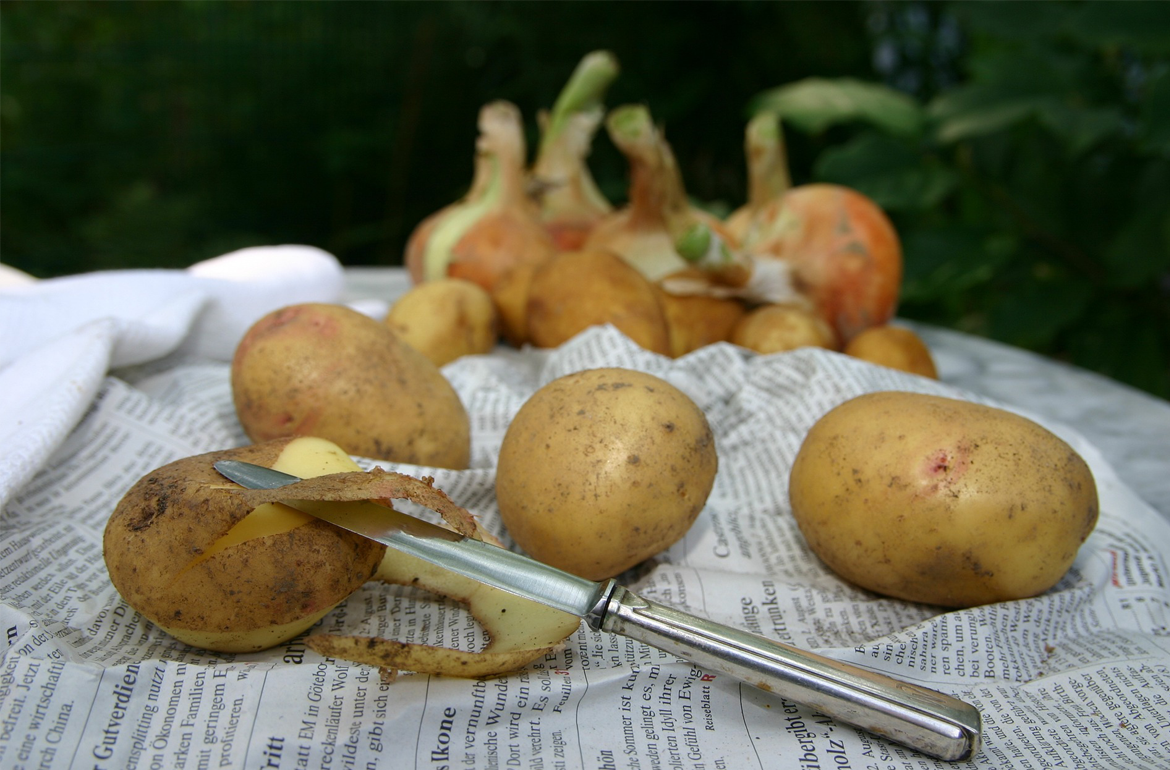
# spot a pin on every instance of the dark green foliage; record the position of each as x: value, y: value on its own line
x: 1032, y: 193
x: 1022, y: 149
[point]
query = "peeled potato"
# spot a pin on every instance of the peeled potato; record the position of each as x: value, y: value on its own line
x: 329, y: 371
x: 445, y: 319
x: 576, y: 290
x: 941, y: 501
x: 218, y: 572
x: 602, y: 469
x: 894, y: 347
x: 234, y: 570
x: 777, y: 328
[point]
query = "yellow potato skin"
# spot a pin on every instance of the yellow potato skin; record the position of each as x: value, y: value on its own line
x: 241, y: 599
x: 445, y: 319
x: 328, y: 371
x: 894, y: 347
x: 779, y: 328
x: 602, y: 469
x: 941, y: 501
x: 576, y: 290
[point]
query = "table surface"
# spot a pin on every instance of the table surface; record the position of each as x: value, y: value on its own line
x: 1129, y: 427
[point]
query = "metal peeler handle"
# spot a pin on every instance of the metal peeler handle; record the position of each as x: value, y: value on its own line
x: 926, y: 720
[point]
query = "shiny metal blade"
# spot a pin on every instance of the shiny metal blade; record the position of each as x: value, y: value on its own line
x: 480, y: 561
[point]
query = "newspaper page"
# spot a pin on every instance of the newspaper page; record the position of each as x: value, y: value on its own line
x: 1076, y: 678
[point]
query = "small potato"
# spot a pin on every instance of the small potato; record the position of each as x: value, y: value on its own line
x: 777, y: 328
x: 576, y: 290
x: 510, y: 295
x: 602, y: 469
x: 696, y: 321
x: 331, y: 372
x: 445, y: 319
x: 941, y: 501
x: 894, y: 347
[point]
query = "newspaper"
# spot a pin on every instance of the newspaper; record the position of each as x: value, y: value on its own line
x: 1076, y: 678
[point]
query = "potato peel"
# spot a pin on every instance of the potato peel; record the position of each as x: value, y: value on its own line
x: 378, y: 485
x: 519, y: 630
x: 422, y: 658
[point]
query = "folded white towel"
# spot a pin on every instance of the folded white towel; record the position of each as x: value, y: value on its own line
x: 59, y: 337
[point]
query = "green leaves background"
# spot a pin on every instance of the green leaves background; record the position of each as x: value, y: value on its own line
x: 1033, y: 196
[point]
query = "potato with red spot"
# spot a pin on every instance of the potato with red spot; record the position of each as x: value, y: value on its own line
x: 941, y: 501
x: 329, y: 371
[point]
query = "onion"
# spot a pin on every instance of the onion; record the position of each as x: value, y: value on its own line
x: 843, y: 252
x: 767, y: 167
x: 570, y: 203
x: 822, y: 246
x: 643, y: 232
x: 496, y: 226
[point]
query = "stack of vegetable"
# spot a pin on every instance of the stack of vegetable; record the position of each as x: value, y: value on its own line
x: 815, y: 264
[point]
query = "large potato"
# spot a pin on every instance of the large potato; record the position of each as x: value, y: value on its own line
x: 576, y: 290
x: 602, y: 469
x: 941, y: 501
x: 329, y: 371
x: 445, y: 319
x: 175, y: 554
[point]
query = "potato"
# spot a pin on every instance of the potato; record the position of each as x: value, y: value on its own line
x: 602, y: 469
x: 510, y: 295
x: 777, y: 328
x: 331, y: 372
x: 173, y: 555
x: 894, y: 347
x: 445, y: 319
x: 695, y: 321
x: 941, y: 501
x: 229, y: 569
x: 576, y: 290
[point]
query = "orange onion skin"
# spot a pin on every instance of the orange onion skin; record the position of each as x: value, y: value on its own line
x: 492, y: 247
x: 844, y: 251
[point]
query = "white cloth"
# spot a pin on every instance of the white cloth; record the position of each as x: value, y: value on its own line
x: 59, y: 337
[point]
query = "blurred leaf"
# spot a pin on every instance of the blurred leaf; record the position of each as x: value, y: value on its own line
x: 1080, y: 127
x: 1155, y: 114
x: 950, y: 260
x: 1033, y: 312
x: 1015, y: 21
x: 894, y: 174
x: 813, y: 104
x: 1142, y: 26
x: 1141, y: 361
x: 1008, y: 86
x: 976, y: 111
x: 1140, y: 252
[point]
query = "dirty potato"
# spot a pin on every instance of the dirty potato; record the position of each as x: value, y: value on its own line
x: 329, y: 371
x: 445, y: 319
x: 941, y: 501
x: 894, y: 347
x: 604, y: 468
x: 778, y: 328
x: 576, y: 290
